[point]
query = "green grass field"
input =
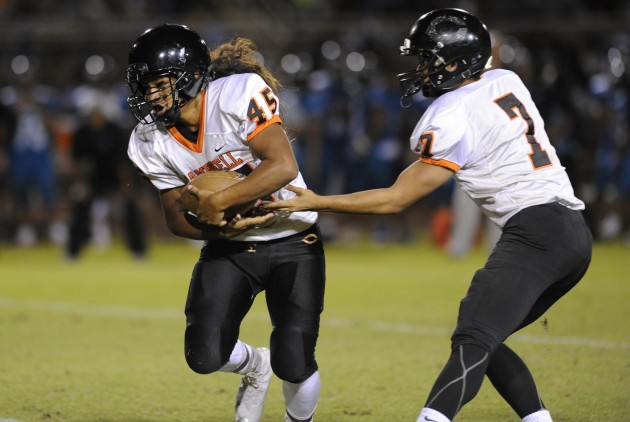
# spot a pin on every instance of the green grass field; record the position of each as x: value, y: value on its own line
x: 101, y: 339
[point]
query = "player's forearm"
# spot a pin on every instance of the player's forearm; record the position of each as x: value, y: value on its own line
x: 183, y: 224
x: 375, y: 201
x: 414, y: 183
x: 266, y: 179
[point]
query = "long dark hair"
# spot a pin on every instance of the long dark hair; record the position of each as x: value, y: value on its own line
x: 238, y: 56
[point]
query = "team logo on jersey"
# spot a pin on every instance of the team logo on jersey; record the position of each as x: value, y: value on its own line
x: 223, y: 162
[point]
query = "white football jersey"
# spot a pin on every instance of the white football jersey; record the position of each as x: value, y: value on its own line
x: 492, y: 136
x: 235, y: 109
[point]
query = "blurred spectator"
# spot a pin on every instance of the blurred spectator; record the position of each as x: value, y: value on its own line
x: 384, y: 147
x: 338, y: 54
x: 7, y: 132
x: 32, y: 173
x: 101, y: 172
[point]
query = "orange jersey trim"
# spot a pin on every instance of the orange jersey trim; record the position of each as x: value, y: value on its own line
x: 181, y: 139
x: 442, y: 163
x: 259, y: 128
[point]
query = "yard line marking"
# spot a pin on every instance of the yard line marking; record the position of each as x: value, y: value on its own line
x: 90, y: 309
x: 445, y: 332
x: 333, y: 322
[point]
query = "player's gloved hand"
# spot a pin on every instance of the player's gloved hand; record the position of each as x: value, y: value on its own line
x: 305, y: 199
x: 208, y: 211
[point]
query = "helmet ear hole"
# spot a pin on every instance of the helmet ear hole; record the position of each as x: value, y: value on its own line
x: 451, y: 67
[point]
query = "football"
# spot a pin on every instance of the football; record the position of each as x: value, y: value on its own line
x: 214, y: 181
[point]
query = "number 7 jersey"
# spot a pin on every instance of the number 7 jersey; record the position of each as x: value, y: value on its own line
x: 492, y: 136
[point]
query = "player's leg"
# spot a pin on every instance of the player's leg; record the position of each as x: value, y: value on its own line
x: 507, y: 372
x: 513, y: 380
x: 462, y: 377
x: 21, y: 172
x: 252, y: 391
x: 295, y: 297
x: 525, y: 265
x: 457, y: 384
x: 301, y: 398
x: 493, y: 307
x: 134, y: 229
x: 219, y: 297
x: 79, y: 233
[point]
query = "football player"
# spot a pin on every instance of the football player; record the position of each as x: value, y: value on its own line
x: 199, y: 112
x: 484, y: 130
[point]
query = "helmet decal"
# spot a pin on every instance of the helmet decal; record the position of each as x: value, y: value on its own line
x: 436, y: 35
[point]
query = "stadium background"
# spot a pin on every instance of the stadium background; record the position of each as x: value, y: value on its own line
x: 100, y: 338
x: 338, y: 61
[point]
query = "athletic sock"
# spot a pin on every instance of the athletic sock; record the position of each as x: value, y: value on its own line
x: 459, y: 381
x: 430, y: 415
x: 513, y: 380
x: 242, y: 359
x: 540, y: 416
x: 301, y: 399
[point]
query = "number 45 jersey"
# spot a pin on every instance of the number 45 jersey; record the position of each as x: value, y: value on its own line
x: 235, y: 109
x: 492, y: 136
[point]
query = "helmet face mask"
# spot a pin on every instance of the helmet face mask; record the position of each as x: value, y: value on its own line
x: 156, y: 99
x: 414, y: 81
x: 451, y: 45
x: 168, y: 66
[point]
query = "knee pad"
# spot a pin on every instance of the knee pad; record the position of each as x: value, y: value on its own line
x: 293, y: 354
x: 207, y: 353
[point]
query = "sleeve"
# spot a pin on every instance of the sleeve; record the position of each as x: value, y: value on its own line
x: 439, y: 138
x: 147, y: 161
x: 253, y: 104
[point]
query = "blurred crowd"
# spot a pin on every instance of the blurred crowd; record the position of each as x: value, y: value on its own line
x: 64, y: 122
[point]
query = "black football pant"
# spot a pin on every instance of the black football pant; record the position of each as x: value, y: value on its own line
x: 226, y: 280
x: 542, y: 254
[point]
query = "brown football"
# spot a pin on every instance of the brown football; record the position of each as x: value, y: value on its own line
x: 214, y: 181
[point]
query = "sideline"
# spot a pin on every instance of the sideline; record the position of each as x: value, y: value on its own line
x: 380, y: 326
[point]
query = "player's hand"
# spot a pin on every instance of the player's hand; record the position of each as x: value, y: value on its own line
x: 240, y: 224
x: 208, y: 211
x: 305, y: 199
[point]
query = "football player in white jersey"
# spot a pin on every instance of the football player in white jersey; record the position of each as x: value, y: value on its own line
x: 202, y: 111
x: 484, y: 130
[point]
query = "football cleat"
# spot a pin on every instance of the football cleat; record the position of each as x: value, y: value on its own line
x: 250, y: 398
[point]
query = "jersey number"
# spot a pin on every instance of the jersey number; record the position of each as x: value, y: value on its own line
x: 425, y: 144
x: 509, y: 103
x: 255, y: 113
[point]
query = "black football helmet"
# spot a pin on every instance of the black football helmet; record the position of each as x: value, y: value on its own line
x: 440, y: 38
x: 168, y: 50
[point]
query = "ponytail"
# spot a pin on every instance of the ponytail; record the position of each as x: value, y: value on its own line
x: 238, y: 56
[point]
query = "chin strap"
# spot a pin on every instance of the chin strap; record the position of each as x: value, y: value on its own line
x: 405, y: 101
x: 172, y: 115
